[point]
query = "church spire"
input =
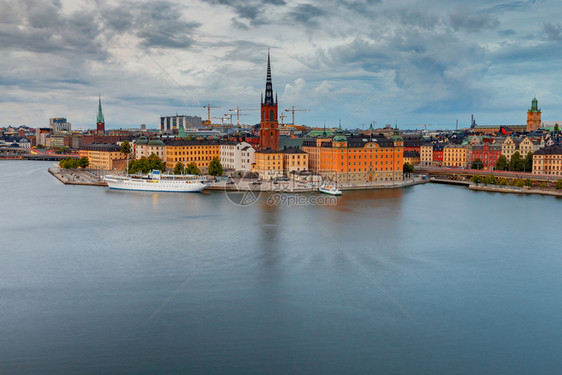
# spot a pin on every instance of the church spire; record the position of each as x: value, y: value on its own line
x: 268, y: 85
x: 100, y: 113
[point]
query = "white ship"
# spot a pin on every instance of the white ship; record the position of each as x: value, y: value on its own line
x: 155, y: 181
x: 329, y: 189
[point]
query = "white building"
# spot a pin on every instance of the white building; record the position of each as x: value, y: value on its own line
x: 59, y: 124
x: 170, y: 123
x: 237, y: 155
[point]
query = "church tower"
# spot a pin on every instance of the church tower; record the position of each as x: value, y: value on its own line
x: 100, y: 124
x: 533, y: 116
x: 269, y: 130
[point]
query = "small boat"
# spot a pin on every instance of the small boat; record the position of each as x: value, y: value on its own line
x: 155, y: 181
x: 329, y: 189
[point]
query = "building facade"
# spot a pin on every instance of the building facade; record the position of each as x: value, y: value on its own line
x: 172, y: 124
x: 199, y: 152
x: 237, y: 155
x: 102, y: 156
x: 548, y: 161
x: 268, y: 164
x: 59, y: 124
x: 455, y: 156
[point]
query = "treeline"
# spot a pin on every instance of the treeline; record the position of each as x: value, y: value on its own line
x: 145, y: 165
x: 516, y: 163
x: 503, y: 181
x: 72, y: 163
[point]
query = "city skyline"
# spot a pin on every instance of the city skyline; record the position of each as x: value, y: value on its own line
x: 355, y: 61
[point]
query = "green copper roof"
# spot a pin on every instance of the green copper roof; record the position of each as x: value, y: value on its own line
x: 100, y: 113
x: 155, y: 142
x: 396, y: 137
x: 142, y: 141
x: 534, y: 105
x: 339, y: 137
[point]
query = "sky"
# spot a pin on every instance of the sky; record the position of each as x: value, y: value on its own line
x: 350, y: 61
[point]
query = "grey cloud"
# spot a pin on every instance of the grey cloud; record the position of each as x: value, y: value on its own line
x: 463, y: 20
x: 553, y: 32
x: 305, y: 13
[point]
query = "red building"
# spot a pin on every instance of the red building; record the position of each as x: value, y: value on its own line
x: 269, y: 127
x: 487, y: 153
x: 438, y: 154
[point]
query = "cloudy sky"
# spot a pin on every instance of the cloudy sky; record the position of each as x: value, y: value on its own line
x: 358, y: 61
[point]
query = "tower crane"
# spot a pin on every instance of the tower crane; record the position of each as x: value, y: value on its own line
x: 282, y: 116
x: 293, y: 110
x: 237, y: 110
x: 424, y: 126
x: 209, y: 106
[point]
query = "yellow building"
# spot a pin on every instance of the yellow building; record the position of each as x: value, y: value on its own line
x: 103, y: 156
x: 426, y: 154
x: 455, y: 155
x: 268, y: 164
x: 294, y: 160
x: 412, y: 157
x: 199, y: 152
x: 509, y: 146
x: 548, y: 161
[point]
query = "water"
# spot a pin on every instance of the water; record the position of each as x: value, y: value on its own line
x: 430, y: 279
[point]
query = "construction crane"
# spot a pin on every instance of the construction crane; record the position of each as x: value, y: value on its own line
x: 237, y: 110
x: 293, y: 110
x: 282, y: 116
x: 209, y: 106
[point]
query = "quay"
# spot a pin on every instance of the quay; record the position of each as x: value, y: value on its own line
x: 77, y: 177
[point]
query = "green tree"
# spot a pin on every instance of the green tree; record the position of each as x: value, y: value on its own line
x: 83, y: 162
x: 490, y: 180
x: 543, y: 185
x: 476, y: 179
x: 477, y: 164
x: 528, y: 162
x: 192, y: 168
x: 556, y: 128
x: 558, y: 185
x: 40, y: 146
x: 407, y: 169
x: 215, y: 167
x: 125, y: 148
x: 179, y: 168
x: 528, y: 182
x: 501, y: 163
x: 503, y: 181
x: 141, y: 165
x: 68, y: 163
x: 519, y: 183
x: 515, y: 163
x: 154, y: 163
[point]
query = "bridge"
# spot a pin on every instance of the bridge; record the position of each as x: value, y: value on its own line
x: 25, y: 154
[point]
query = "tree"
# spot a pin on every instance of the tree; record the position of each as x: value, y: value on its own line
x: 556, y: 128
x: 515, y: 163
x: 490, y: 180
x: 192, y: 168
x: 501, y: 163
x: 125, y: 147
x: 519, y: 183
x: 407, y: 169
x: 503, y: 181
x: 83, y: 162
x: 40, y: 146
x: 476, y: 179
x: 528, y: 161
x: 154, y: 163
x: 528, y: 182
x: 215, y: 167
x: 179, y: 168
x: 477, y: 164
x: 558, y: 185
x: 68, y: 163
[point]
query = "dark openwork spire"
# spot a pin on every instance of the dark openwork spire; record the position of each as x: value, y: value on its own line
x: 268, y: 85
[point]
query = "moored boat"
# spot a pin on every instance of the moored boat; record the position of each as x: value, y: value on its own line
x: 156, y: 181
x: 329, y: 189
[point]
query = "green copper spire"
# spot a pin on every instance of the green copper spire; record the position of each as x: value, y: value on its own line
x: 100, y: 113
x: 534, y: 105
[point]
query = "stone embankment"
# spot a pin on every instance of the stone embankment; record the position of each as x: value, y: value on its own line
x: 513, y: 190
x: 77, y: 177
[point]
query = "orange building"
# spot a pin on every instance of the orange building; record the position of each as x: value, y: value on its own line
x: 199, y: 152
x: 268, y: 164
x: 103, y: 156
x: 358, y: 159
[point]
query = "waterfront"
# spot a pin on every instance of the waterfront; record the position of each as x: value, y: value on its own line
x: 427, y: 279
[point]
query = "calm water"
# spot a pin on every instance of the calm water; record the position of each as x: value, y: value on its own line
x: 431, y: 279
